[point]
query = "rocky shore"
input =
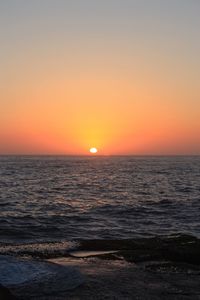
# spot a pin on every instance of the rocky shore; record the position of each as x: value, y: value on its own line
x: 165, y: 267
x: 177, y: 248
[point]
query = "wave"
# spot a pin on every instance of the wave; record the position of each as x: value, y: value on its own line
x: 41, y: 250
x: 170, y: 247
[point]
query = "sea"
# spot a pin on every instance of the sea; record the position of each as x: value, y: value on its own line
x: 60, y: 199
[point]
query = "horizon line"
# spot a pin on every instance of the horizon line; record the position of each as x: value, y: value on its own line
x: 100, y: 155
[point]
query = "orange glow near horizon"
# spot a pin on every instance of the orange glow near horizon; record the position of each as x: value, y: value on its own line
x: 94, y: 112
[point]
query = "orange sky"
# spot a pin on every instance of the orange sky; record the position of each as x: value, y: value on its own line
x: 129, y: 87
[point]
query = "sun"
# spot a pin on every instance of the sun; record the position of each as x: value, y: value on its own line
x: 93, y: 150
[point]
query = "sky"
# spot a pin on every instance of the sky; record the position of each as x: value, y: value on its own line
x: 119, y: 75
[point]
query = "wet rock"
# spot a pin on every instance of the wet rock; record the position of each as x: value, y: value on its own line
x: 37, y: 278
x: 183, y: 249
x: 172, y: 267
x: 177, y: 248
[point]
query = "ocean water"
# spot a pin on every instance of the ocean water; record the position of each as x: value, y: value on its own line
x: 62, y: 198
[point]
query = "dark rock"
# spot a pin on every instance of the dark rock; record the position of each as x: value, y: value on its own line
x: 177, y: 248
x: 5, y: 294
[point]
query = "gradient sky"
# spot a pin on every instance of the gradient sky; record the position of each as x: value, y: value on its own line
x: 119, y: 75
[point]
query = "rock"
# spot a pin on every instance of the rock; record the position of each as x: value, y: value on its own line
x: 5, y: 294
x: 37, y: 278
x: 177, y: 248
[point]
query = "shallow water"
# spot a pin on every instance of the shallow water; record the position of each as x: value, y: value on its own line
x: 57, y: 198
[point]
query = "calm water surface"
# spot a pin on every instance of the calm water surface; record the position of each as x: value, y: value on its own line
x: 58, y: 198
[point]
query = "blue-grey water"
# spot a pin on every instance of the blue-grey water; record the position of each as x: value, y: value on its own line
x: 57, y: 198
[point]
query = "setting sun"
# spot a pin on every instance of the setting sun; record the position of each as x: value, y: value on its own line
x: 99, y: 148
x: 93, y: 150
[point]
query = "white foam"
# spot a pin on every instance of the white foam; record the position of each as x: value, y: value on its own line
x: 39, y: 248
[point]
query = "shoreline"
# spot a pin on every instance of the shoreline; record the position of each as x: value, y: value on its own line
x: 175, y: 247
x: 154, y: 268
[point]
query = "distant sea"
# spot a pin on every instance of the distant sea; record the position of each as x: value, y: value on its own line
x: 63, y: 198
